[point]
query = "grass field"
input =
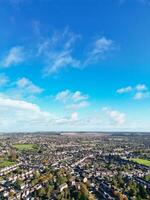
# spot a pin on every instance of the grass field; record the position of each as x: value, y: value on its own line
x: 6, y: 163
x: 24, y: 146
x: 142, y: 161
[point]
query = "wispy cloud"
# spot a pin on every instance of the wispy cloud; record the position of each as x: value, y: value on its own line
x: 138, y: 92
x: 57, y: 51
x: 13, y: 57
x: 59, y: 61
x: 26, y: 84
x: 99, y: 50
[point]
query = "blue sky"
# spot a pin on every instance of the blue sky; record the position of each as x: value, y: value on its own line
x: 74, y: 65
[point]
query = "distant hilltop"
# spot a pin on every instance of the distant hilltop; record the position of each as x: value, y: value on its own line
x: 76, y: 133
x: 81, y: 133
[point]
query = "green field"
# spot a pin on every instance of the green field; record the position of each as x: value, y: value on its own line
x: 6, y: 163
x: 141, y: 161
x: 24, y: 146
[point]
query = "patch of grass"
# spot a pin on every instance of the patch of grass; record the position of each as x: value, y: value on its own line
x: 24, y: 146
x: 6, y: 163
x: 141, y: 161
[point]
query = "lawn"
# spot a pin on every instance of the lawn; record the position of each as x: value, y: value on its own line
x: 24, y: 146
x: 6, y: 163
x: 141, y: 161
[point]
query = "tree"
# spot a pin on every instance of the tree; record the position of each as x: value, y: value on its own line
x: 83, y: 193
x: 49, y: 191
x: 41, y: 192
x: 142, y: 191
x: 36, y: 174
x: 34, y: 181
x: 18, y: 183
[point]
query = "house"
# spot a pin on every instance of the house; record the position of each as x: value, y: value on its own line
x: 85, y: 180
x: 63, y: 186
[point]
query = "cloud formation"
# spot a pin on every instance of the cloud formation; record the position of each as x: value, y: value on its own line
x: 22, y: 88
x: 115, y: 115
x: 66, y: 95
x: 58, y: 51
x: 29, y: 116
x: 138, y: 92
x: 72, y: 100
x: 124, y: 90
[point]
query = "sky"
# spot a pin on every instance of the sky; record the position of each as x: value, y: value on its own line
x: 74, y: 65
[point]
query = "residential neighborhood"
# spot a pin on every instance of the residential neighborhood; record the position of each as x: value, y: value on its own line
x: 80, y: 166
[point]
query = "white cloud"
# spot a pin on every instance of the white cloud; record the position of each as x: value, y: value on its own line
x: 99, y: 49
x: 3, y: 79
x: 57, y: 51
x: 59, y: 61
x: 72, y: 100
x: 78, y: 96
x: 18, y: 104
x: 141, y: 95
x: 141, y: 87
x: 69, y: 95
x: 114, y: 115
x: 13, y: 57
x: 124, y: 90
x: 22, y: 88
x: 19, y: 115
x: 140, y: 91
x: 63, y: 95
